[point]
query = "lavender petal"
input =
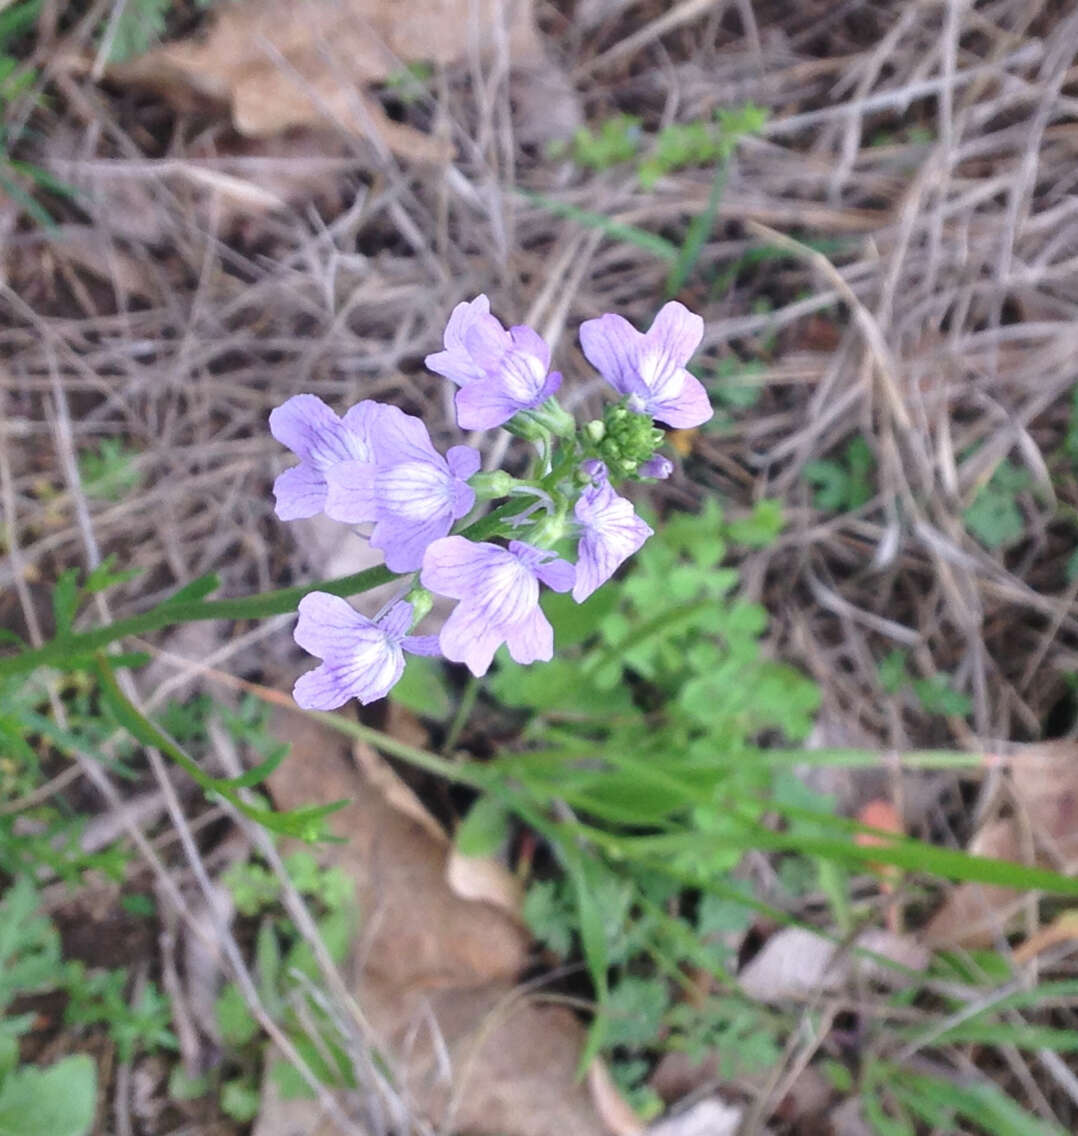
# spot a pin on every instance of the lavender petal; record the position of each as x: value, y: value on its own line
x: 299, y: 492
x: 351, y: 494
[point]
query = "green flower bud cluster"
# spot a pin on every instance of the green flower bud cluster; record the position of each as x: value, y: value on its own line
x: 623, y: 439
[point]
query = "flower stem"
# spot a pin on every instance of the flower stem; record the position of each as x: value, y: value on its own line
x: 66, y: 647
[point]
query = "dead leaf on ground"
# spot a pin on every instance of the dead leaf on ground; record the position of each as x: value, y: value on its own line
x: 796, y: 963
x: 480, y: 878
x: 977, y: 915
x: 1063, y: 929
x: 1043, y: 788
x: 619, y: 1118
x: 435, y: 973
x: 476, y: 878
x: 281, y: 64
x: 709, y: 1117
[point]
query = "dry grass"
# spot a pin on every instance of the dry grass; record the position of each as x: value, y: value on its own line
x: 931, y: 147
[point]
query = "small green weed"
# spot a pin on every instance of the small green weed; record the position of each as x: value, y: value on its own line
x: 411, y: 83
x: 728, y: 387
x: 61, y: 1100
x: 616, y: 140
x: 109, y: 471
x: 138, y: 25
x: 994, y: 516
x: 18, y: 178
x: 936, y: 694
x: 845, y: 483
x: 651, y: 672
x: 285, y: 966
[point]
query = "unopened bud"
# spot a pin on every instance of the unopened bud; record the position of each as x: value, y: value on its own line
x: 490, y: 486
x: 548, y: 531
x: 422, y: 601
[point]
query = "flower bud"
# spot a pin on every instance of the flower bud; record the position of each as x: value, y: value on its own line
x: 490, y: 486
x: 422, y: 601
x: 549, y: 531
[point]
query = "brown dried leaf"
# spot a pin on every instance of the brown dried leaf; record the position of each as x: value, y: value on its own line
x: 416, y: 933
x: 1044, y: 788
x: 1044, y: 779
x: 480, y: 878
x: 977, y: 915
x: 796, y: 963
x: 281, y: 64
x: 619, y: 1118
x: 709, y: 1117
x: 436, y: 971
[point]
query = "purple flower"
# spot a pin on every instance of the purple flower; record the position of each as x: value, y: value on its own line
x: 320, y: 440
x: 610, y: 532
x: 498, y: 589
x: 499, y: 372
x: 658, y: 467
x: 361, y: 658
x: 411, y: 493
x: 650, y: 368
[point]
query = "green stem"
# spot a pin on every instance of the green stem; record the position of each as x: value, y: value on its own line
x: 279, y: 602
x: 464, y: 712
x: 463, y: 773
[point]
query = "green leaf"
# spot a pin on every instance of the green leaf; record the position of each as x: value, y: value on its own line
x: 181, y: 1087
x: 1022, y: 1036
x: 58, y: 1101
x: 892, y: 671
x: 984, y: 1104
x: 303, y: 870
x: 760, y: 528
x: 484, y: 830
x: 616, y: 230
x: 139, y: 904
x: 616, y: 140
x: 234, y: 1019
x: 196, y: 590
x: 65, y: 600
x: 549, y: 916
x: 268, y: 966
x: 258, y: 773
x: 106, y: 575
x: 290, y: 1084
x: 422, y: 689
x: 994, y: 516
x: 240, y: 1100
x: 18, y: 18
x: 252, y: 886
x: 937, y: 696
x: 634, y: 1012
x: 140, y: 25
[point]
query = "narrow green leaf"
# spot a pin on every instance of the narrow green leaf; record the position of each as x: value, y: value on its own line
x: 65, y: 601
x: 617, y: 230
x: 196, y: 590
x: 484, y: 830
x: 593, y: 940
x: 696, y: 235
x: 106, y: 575
x: 258, y: 773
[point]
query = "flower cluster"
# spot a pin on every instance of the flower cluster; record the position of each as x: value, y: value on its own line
x: 376, y: 466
